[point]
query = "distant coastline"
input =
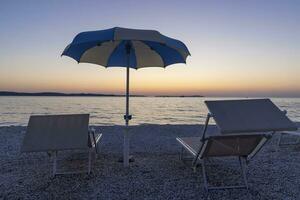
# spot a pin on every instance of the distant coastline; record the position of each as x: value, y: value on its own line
x: 59, y: 94
x: 179, y: 96
x: 49, y: 94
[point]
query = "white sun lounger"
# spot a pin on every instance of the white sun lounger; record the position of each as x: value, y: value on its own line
x: 244, y: 125
x: 53, y: 133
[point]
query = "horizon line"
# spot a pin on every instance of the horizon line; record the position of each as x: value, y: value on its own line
x: 92, y: 94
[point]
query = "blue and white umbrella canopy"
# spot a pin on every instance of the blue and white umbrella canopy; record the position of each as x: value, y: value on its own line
x: 148, y: 48
x: 130, y: 48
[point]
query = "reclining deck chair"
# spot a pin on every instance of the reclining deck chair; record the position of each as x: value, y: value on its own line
x: 244, y: 125
x: 53, y: 133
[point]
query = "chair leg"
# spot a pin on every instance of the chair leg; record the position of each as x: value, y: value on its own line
x: 279, y: 140
x: 54, y: 164
x: 96, y: 155
x: 181, y: 154
x: 244, y: 171
x: 204, y: 176
x: 95, y: 143
x: 89, y: 161
x: 208, y: 188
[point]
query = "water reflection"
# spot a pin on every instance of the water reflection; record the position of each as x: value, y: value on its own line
x: 110, y: 110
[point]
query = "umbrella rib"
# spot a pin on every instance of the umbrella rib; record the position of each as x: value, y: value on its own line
x: 120, y: 41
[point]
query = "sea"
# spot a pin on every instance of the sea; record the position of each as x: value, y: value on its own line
x: 107, y: 111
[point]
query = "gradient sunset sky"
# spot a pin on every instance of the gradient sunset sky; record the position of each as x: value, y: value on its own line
x: 239, y: 48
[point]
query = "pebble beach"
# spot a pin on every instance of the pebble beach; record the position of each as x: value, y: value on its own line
x: 156, y: 173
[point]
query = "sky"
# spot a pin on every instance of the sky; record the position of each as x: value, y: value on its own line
x: 238, y: 48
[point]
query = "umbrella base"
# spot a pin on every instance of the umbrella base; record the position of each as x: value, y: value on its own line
x: 131, y: 159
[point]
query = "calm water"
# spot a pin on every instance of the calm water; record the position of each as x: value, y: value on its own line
x: 110, y: 110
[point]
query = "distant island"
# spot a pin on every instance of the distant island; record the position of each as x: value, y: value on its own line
x: 49, y: 94
x: 180, y: 96
x: 8, y: 93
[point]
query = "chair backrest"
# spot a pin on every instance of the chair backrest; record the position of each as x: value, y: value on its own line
x: 249, y: 115
x: 56, y: 132
x: 233, y: 145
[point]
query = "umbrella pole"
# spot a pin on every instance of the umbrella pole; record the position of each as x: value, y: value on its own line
x: 126, y: 135
x: 127, y: 116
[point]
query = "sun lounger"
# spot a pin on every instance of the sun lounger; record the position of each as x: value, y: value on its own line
x: 244, y: 125
x: 53, y: 133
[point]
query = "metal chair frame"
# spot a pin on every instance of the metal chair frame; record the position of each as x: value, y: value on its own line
x: 92, y: 143
x: 197, y: 158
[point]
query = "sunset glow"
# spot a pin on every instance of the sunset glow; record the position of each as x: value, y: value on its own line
x: 245, y: 48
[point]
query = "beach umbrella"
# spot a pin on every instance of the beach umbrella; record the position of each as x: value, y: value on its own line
x: 130, y: 48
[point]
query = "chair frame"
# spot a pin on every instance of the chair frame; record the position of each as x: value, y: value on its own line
x: 197, y: 158
x: 63, y: 126
x: 93, y: 145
